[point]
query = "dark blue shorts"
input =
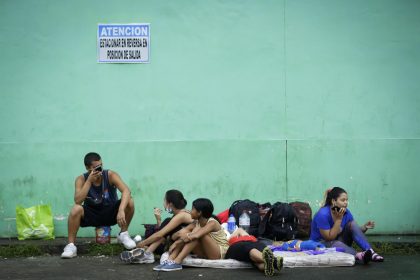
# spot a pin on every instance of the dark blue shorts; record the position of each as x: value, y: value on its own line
x: 100, y: 215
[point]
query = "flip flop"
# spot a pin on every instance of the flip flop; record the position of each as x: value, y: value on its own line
x: 367, y: 256
x: 377, y: 258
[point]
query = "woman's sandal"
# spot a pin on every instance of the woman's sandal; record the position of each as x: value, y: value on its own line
x: 376, y: 257
x: 365, y: 256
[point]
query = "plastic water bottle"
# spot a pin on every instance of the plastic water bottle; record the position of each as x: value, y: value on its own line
x: 231, y: 224
x: 244, y: 221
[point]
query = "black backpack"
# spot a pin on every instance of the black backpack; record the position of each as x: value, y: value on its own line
x: 252, y: 209
x: 280, y: 223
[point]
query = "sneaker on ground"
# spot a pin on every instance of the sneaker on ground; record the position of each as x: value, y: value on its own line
x: 125, y: 239
x: 159, y: 267
x: 130, y: 256
x: 171, y: 266
x: 145, y: 258
x: 70, y: 251
x: 268, y: 258
x: 279, y: 263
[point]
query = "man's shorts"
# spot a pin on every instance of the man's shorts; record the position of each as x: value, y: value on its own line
x: 101, y: 215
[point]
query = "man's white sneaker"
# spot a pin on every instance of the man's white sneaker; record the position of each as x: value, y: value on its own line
x: 70, y: 251
x: 130, y: 256
x: 145, y: 258
x: 125, y: 239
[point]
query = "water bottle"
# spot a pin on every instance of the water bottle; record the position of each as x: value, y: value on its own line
x: 244, y: 221
x: 231, y: 224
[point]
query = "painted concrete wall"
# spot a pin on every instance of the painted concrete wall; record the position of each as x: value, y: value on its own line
x: 268, y: 100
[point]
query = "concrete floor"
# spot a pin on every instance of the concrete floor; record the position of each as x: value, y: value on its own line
x: 105, y: 267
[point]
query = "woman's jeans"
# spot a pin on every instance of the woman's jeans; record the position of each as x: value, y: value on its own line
x: 350, y: 233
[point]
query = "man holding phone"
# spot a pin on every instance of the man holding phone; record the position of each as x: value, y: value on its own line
x: 97, y: 204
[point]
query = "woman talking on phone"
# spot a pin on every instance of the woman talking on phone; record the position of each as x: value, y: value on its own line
x: 334, y: 226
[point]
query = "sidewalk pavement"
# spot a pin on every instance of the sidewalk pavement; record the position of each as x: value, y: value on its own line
x: 40, y: 259
x: 110, y: 267
x: 386, y: 244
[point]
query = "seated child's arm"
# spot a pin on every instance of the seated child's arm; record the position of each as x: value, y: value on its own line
x: 175, y: 222
x: 174, y: 245
x: 209, y: 227
x: 186, y: 229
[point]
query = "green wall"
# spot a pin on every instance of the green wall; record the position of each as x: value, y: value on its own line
x: 268, y: 100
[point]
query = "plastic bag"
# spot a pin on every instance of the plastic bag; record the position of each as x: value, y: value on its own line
x: 35, y: 222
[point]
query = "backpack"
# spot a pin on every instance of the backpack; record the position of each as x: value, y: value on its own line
x: 304, y: 215
x: 280, y: 223
x: 264, y: 209
x: 150, y: 229
x: 252, y: 209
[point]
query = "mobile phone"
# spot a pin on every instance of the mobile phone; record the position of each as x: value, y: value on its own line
x: 98, y: 168
x: 336, y: 208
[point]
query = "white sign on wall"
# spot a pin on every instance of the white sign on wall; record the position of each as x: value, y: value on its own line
x: 124, y: 43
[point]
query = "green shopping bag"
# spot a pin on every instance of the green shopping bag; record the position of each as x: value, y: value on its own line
x: 35, y: 222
